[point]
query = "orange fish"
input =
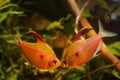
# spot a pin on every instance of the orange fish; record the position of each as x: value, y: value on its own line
x: 81, y: 51
x: 39, y: 54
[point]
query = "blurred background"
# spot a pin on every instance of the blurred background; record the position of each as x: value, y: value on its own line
x: 54, y: 21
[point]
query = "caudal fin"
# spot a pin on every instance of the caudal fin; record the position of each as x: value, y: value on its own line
x: 104, y: 32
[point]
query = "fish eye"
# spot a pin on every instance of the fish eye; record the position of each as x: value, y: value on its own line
x: 54, y: 62
x: 64, y: 62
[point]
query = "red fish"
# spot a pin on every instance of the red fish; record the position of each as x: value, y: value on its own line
x: 81, y: 51
x: 39, y: 54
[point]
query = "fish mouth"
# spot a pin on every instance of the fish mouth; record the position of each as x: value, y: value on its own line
x: 53, y: 64
x: 64, y: 64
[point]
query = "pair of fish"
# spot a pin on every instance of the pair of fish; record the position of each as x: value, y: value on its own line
x: 41, y: 55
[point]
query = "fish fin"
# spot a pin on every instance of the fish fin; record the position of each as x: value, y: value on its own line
x: 98, y: 53
x: 105, y: 33
x: 98, y: 50
x: 79, y: 15
x: 39, y: 38
x: 81, y: 32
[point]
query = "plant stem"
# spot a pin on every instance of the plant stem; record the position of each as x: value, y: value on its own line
x: 99, y: 69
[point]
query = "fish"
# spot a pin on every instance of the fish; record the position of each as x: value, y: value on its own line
x: 83, y: 50
x: 39, y: 54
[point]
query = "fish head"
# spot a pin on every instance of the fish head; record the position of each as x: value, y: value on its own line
x: 72, y: 62
x: 53, y: 63
x: 69, y: 61
x: 64, y: 64
x: 73, y: 55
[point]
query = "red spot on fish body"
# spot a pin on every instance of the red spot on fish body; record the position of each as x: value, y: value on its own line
x: 42, y: 56
x: 77, y: 54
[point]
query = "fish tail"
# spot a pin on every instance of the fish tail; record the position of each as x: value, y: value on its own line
x: 104, y: 32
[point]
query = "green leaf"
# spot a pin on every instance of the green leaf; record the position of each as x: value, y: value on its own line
x: 87, y: 13
x: 13, y: 77
x: 116, y: 74
x: 3, y: 17
x: 105, y: 5
x: 82, y: 68
x: 48, y: 37
x: 2, y: 74
x: 4, y: 2
x: 11, y: 67
x: 73, y: 76
x: 65, y: 18
x: 115, y: 48
x: 54, y: 25
x: 7, y: 6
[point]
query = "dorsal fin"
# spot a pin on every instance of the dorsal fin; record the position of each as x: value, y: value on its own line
x: 39, y: 38
x: 81, y: 32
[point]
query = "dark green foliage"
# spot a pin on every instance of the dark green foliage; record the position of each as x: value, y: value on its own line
x: 13, y: 64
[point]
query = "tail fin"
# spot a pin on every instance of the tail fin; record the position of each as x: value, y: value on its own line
x: 105, y: 33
